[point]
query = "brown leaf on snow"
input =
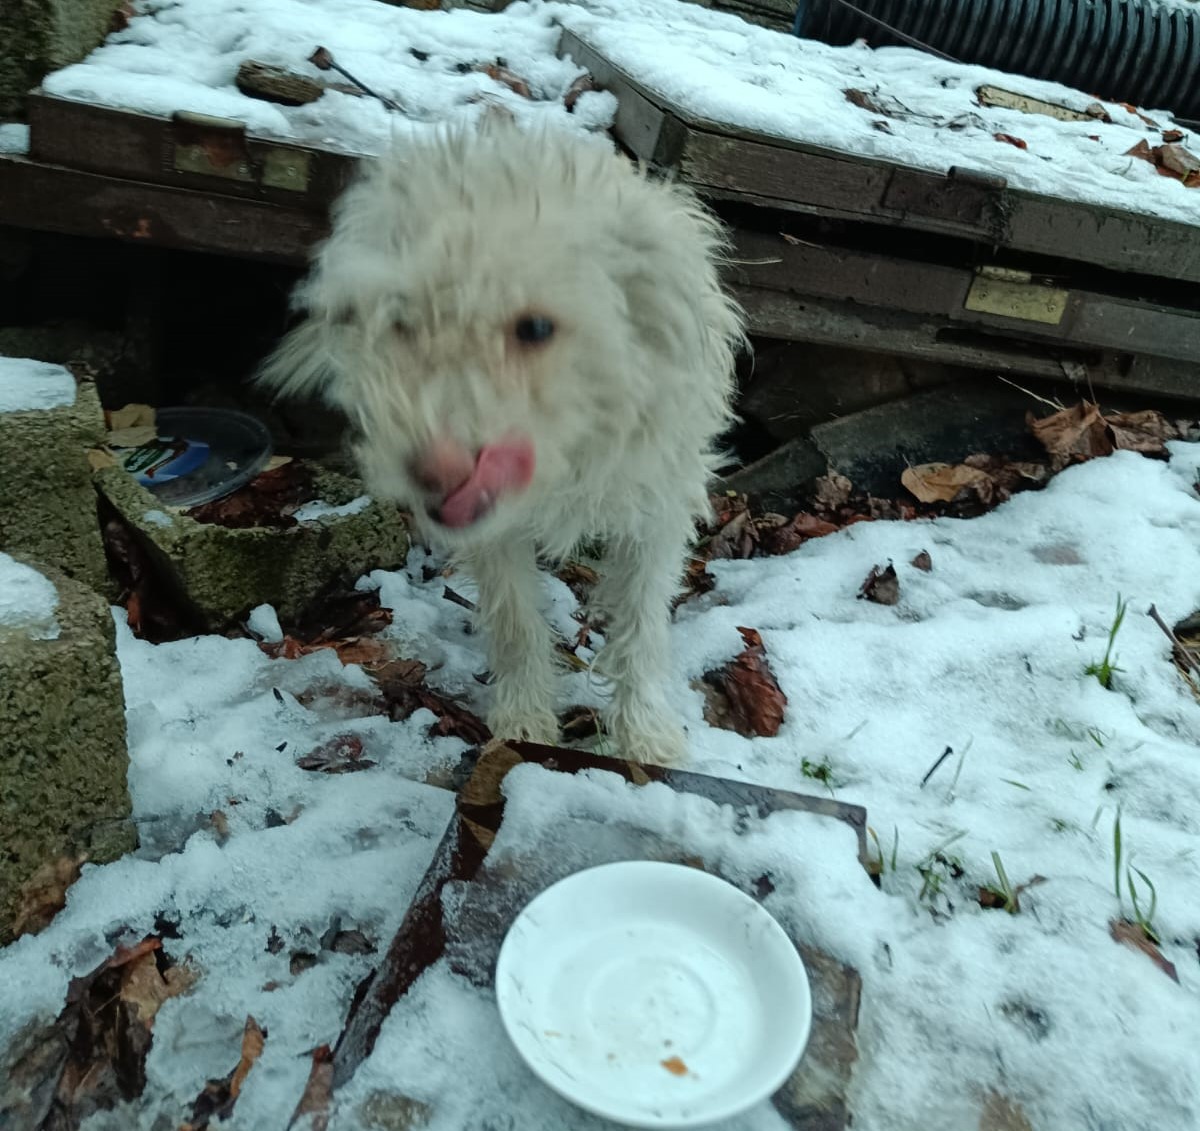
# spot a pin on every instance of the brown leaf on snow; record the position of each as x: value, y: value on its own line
x: 1001, y: 1114
x: 1072, y: 435
x: 344, y: 620
x: 790, y: 534
x: 402, y: 683
x: 922, y: 561
x: 105, y: 1031
x: 580, y: 86
x: 215, y: 1103
x: 943, y: 482
x: 881, y: 586
x: 498, y: 72
x: 1082, y: 432
x: 1131, y: 935
x: 44, y: 894
x: 341, y: 754
x: 1171, y: 160
x: 749, y: 699
x: 1010, y: 140
x: 318, y: 1092
x: 736, y: 535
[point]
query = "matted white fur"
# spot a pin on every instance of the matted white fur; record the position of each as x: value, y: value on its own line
x: 436, y: 253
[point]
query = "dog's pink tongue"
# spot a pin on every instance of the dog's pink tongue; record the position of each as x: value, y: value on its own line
x: 499, y: 470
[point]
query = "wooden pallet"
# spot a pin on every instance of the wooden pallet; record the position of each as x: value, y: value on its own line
x: 732, y: 164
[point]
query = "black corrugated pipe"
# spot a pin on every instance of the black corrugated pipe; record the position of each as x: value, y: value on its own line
x: 1137, y: 51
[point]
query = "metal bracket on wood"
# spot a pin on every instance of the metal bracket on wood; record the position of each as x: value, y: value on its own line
x: 218, y: 147
x: 1013, y: 294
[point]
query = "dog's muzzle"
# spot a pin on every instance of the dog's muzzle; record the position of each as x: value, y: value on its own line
x: 464, y: 488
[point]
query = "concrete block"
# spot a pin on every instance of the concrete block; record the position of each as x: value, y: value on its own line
x: 63, y: 758
x: 222, y: 573
x: 48, y: 421
x: 43, y: 35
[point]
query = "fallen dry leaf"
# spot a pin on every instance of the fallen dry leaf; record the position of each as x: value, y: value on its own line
x: 130, y: 416
x: 1001, y: 1114
x: 106, y: 1029
x: 1009, y: 139
x: 1082, y: 432
x: 44, y: 894
x: 943, y: 482
x: 922, y: 561
x: 1171, y: 160
x: 881, y: 586
x: 1072, y: 435
x: 498, y: 72
x: 675, y: 1066
x: 1124, y: 931
x: 341, y: 754
x: 1131, y: 109
x: 253, y: 1040
x: 790, y: 534
x: 580, y: 86
x: 876, y: 103
x: 268, y: 500
x: 1172, y: 136
x: 751, y: 700
x: 832, y: 491
x: 318, y: 1091
x: 579, y: 578
x: 402, y: 684
x: 216, y: 1102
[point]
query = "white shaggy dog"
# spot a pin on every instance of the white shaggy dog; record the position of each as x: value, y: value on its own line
x: 530, y: 338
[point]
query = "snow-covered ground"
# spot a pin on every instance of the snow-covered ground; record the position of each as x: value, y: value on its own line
x: 985, y: 653
x: 183, y: 55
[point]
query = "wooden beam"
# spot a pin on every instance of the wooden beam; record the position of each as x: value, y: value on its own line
x: 54, y: 199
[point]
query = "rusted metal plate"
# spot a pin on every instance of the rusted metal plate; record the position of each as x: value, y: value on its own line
x: 814, y: 1099
x: 185, y: 150
x: 723, y: 161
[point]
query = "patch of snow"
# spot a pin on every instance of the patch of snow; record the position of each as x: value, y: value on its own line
x: 28, y: 600
x: 311, y: 512
x: 263, y: 622
x: 27, y: 385
x: 185, y: 55
x: 718, y: 68
x: 157, y: 518
x: 985, y: 654
x: 14, y: 138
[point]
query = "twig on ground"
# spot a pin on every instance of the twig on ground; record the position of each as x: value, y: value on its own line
x: 934, y: 768
x: 1191, y: 660
x: 1055, y: 404
x: 458, y: 599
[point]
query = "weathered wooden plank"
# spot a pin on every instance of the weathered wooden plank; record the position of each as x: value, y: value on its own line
x: 791, y: 317
x: 773, y: 262
x: 1085, y: 319
x: 183, y: 152
x: 642, y: 126
x: 53, y: 199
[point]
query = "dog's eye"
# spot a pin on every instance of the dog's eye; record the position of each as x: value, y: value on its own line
x: 533, y: 330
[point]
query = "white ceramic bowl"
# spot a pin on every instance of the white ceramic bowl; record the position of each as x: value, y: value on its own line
x: 655, y: 995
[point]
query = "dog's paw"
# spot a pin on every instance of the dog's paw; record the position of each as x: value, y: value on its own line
x: 664, y: 745
x: 539, y: 726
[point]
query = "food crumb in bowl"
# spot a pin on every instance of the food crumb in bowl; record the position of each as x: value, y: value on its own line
x: 675, y: 1066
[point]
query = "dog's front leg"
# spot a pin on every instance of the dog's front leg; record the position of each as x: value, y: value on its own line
x: 520, y: 649
x: 641, y: 576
